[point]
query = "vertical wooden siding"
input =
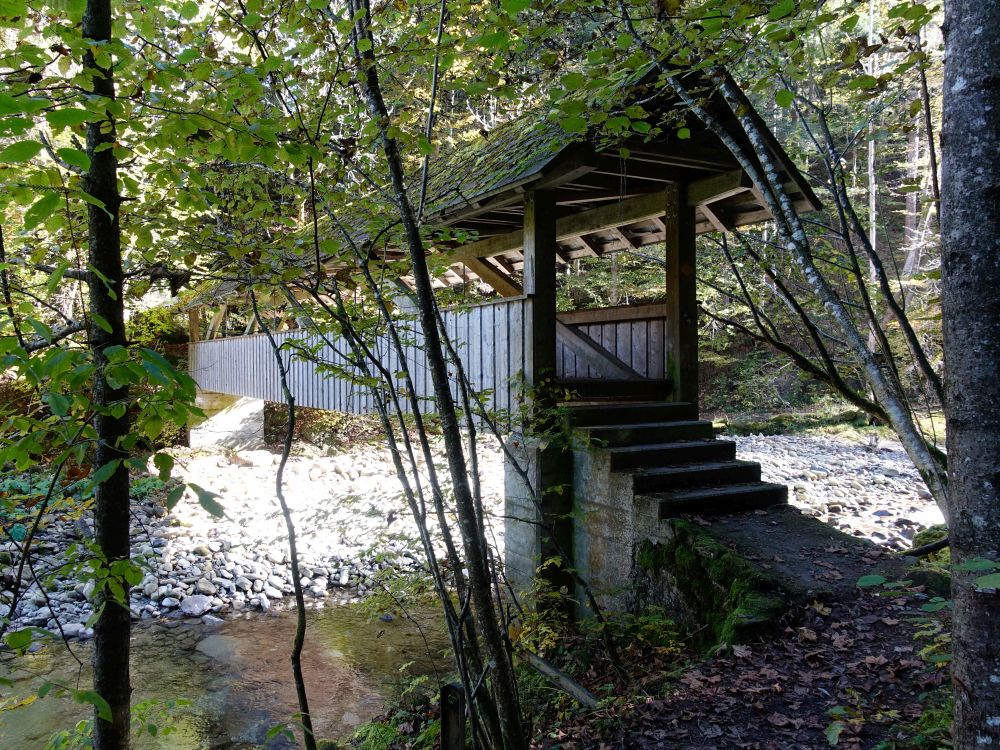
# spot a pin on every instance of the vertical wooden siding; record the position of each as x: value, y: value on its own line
x: 489, y: 339
x: 636, y: 340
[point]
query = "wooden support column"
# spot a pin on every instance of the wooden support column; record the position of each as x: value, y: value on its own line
x: 539, y: 526
x: 540, y: 287
x: 194, y: 325
x: 681, y: 329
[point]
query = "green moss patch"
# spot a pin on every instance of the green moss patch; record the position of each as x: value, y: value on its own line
x: 729, y: 600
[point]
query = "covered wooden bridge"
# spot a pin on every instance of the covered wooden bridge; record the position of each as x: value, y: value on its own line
x: 536, y: 199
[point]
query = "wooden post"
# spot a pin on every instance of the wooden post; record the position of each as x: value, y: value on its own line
x: 540, y: 287
x: 194, y: 325
x: 552, y: 462
x: 681, y: 329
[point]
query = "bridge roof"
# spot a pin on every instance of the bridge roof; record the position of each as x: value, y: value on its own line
x: 610, y: 187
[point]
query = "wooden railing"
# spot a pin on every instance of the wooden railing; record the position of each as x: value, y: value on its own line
x: 629, y: 338
x: 622, y: 343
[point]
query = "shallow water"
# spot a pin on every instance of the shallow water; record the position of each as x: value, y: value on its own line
x: 237, y: 677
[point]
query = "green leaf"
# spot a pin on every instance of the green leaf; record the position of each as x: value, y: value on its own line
x: 60, y: 118
x: 976, y: 564
x: 57, y: 275
x: 103, y: 474
x: 101, y: 322
x: 280, y: 729
x: 41, y: 209
x: 20, y: 151
x: 207, y: 500
x: 863, y: 82
x: 574, y: 124
x: 164, y: 464
x: 833, y: 732
x: 867, y: 582
x: 781, y: 9
x: 18, y: 640
x: 683, y: 133
x: 572, y: 81
x: 188, y: 56
x: 13, y: 8
x: 992, y: 581
x: 512, y: 7
x: 784, y: 98
x: 131, y: 573
x: 188, y: 11
x: 174, y: 497
x: 91, y: 697
x: 152, y: 426
x: 9, y: 105
x: 94, y: 201
x: 58, y: 404
x: 18, y: 532
x: 74, y: 157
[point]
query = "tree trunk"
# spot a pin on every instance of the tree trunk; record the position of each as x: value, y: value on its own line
x: 970, y: 222
x: 107, y: 329
x: 501, y: 675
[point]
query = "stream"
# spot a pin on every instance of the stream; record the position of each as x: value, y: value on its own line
x: 237, y: 677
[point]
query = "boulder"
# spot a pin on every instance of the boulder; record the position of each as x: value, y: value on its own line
x: 196, y: 605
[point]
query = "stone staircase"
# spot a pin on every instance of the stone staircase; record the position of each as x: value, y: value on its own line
x: 674, y: 458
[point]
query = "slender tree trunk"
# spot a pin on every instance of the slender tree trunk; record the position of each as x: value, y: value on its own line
x: 925, y: 98
x: 299, y: 641
x: 107, y: 329
x: 501, y: 672
x: 970, y: 222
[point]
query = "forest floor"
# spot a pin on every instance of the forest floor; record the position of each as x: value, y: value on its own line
x: 860, y: 673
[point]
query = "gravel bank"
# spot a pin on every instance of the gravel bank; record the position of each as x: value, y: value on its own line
x: 352, y: 522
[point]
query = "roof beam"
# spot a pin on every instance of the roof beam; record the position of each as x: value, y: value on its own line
x: 503, y: 284
x: 612, y: 216
x: 624, y: 238
x: 714, y: 217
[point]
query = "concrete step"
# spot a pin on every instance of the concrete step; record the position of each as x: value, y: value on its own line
x: 671, y: 454
x: 593, y: 415
x: 719, y: 500
x: 629, y: 390
x: 645, y: 433
x: 690, y: 476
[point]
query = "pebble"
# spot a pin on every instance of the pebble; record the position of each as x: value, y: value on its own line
x: 867, y: 491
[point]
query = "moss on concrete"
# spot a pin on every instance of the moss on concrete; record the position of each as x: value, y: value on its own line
x: 729, y: 600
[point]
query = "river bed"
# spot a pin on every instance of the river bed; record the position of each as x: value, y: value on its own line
x: 237, y: 677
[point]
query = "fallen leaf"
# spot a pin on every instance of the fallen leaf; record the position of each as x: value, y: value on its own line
x: 821, y: 608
